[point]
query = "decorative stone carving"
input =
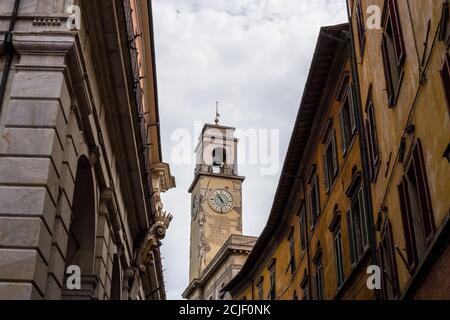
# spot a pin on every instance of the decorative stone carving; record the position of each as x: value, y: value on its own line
x: 152, y: 239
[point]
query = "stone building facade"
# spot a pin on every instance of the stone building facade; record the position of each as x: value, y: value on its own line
x: 81, y: 170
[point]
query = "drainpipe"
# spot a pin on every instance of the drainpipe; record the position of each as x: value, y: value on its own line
x: 363, y: 144
x: 9, y: 51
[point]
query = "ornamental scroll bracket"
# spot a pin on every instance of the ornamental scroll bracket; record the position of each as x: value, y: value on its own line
x: 152, y: 239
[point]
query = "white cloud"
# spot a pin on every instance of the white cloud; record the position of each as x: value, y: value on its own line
x: 251, y: 55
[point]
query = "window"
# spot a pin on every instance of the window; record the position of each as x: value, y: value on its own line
x: 305, y: 287
x: 361, y: 27
x: 335, y: 228
x: 330, y: 160
x: 291, y: 240
x: 348, y: 119
x: 260, y: 287
x: 318, y: 280
x: 393, y: 50
x: 386, y: 257
x: 273, y: 281
x: 338, y: 257
x: 303, y: 234
x: 357, y: 221
x: 415, y: 204
x: 445, y: 74
x: 371, y: 131
x: 314, y: 198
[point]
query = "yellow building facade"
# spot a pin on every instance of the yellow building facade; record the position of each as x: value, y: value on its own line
x: 403, y: 76
x: 365, y: 187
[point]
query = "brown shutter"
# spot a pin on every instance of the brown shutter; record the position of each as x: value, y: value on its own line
x: 369, y: 150
x: 387, y: 72
x: 381, y: 293
x: 326, y: 176
x: 335, y: 155
x: 351, y: 235
x: 397, y: 30
x: 352, y: 107
x: 343, y: 135
x: 391, y: 251
x: 424, y: 193
x: 408, y: 228
x: 445, y: 75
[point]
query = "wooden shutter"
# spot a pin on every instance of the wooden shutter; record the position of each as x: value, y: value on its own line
x: 408, y: 228
x: 391, y: 254
x: 352, y: 107
x: 363, y: 219
x: 335, y: 155
x: 369, y: 150
x: 343, y: 135
x: 317, y: 198
x: 445, y: 76
x: 351, y: 235
x: 361, y: 27
x: 381, y: 293
x: 397, y: 30
x: 326, y: 170
x: 424, y: 193
x: 387, y: 72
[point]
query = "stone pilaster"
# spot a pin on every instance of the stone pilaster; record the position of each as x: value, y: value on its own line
x: 31, y: 164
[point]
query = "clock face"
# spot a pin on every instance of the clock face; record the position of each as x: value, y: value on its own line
x: 221, y: 201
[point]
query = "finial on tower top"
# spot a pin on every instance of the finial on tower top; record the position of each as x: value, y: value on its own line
x: 217, y: 113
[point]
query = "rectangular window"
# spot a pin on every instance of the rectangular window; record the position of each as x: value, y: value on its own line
x: 318, y: 281
x: 330, y: 161
x: 371, y: 131
x: 347, y: 119
x: 386, y: 256
x: 305, y: 288
x: 445, y: 74
x: 416, y: 209
x: 357, y: 223
x: 273, y: 281
x: 361, y: 27
x: 314, y: 201
x: 260, y: 287
x: 338, y: 258
x: 393, y: 50
x: 291, y: 240
x: 303, y: 234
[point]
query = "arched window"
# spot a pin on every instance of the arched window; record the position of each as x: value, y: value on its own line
x: 116, y: 281
x: 219, y: 157
x: 81, y: 243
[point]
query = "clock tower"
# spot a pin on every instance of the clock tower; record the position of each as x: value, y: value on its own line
x: 216, y: 202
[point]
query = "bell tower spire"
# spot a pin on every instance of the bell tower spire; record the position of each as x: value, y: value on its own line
x: 216, y: 195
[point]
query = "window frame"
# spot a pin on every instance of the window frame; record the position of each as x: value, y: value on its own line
x: 391, y: 17
x: 331, y: 170
x: 387, y: 246
x: 415, y: 164
x: 445, y: 78
x: 359, y: 244
x: 339, y: 257
x: 260, y: 288
x: 314, y: 199
x: 303, y: 230
x: 273, y: 280
x: 361, y: 27
x: 291, y: 240
x: 372, y: 138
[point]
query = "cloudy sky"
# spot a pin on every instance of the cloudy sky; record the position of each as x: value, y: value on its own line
x: 251, y: 55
